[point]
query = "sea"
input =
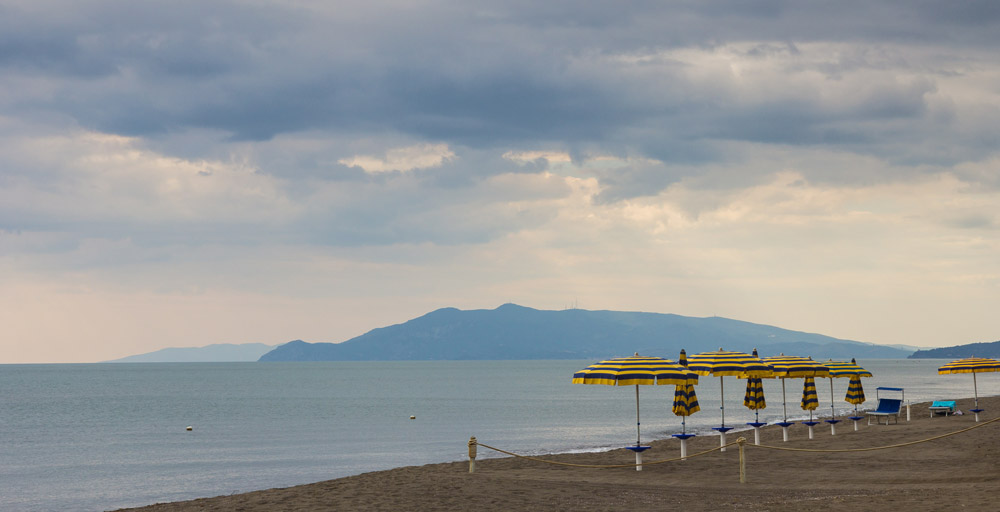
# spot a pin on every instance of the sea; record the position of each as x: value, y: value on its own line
x: 91, y: 437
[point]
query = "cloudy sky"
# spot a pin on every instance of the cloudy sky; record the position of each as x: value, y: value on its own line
x: 191, y: 172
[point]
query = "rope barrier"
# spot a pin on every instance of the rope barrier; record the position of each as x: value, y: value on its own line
x: 910, y: 443
x: 598, y: 466
x: 473, y: 443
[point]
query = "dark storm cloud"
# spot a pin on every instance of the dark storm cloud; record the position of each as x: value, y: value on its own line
x: 474, y: 74
x: 587, y: 78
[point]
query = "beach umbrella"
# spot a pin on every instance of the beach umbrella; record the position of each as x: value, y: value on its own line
x: 685, y: 404
x: 635, y: 371
x: 753, y: 399
x: 685, y: 399
x: 842, y: 369
x: 971, y: 365
x: 794, y: 367
x: 727, y: 364
x: 855, y: 395
x: 810, y: 402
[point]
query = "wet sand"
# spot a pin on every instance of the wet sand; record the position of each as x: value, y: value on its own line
x: 961, y: 471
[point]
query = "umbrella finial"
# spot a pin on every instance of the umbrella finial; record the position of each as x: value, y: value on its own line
x: 755, y: 352
x: 637, y: 354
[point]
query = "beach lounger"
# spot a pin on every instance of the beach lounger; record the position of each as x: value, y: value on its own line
x: 887, y: 408
x: 945, y: 407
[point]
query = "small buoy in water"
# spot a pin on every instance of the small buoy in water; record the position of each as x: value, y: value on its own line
x: 190, y: 427
x: 413, y: 417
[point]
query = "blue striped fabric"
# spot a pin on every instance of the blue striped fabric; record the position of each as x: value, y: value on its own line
x: 635, y: 370
x: 735, y: 364
x: 754, y: 397
x: 810, y: 400
x: 685, y: 401
x: 796, y: 367
x: 970, y: 365
x: 839, y: 369
x: 855, y: 392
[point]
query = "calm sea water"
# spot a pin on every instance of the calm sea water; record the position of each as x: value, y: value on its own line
x: 104, y: 436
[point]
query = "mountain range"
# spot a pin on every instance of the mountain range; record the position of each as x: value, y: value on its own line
x: 221, y: 352
x: 516, y: 332
x: 960, y: 351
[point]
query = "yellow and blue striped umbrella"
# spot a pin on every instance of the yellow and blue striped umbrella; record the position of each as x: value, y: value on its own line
x: 855, y: 391
x: 810, y: 400
x: 635, y: 370
x: 844, y: 369
x: 754, y: 397
x: 728, y: 364
x: 971, y: 365
x: 685, y: 399
x: 794, y: 367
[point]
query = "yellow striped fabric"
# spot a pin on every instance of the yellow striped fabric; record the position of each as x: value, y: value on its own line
x: 723, y: 364
x: 786, y: 367
x: 635, y: 370
x: 855, y: 391
x: 754, y: 397
x: 810, y: 400
x: 970, y: 365
x: 840, y: 369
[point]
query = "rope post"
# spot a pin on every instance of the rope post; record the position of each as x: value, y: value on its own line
x: 907, y: 410
x: 472, y: 454
x: 743, y: 461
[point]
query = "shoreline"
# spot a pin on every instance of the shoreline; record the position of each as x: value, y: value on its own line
x: 953, y: 471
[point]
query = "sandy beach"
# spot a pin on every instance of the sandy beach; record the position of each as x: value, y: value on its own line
x: 961, y: 471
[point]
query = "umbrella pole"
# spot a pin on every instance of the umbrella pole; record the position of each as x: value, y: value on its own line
x: 975, y: 391
x: 784, y: 402
x: 722, y: 407
x: 722, y: 399
x: 833, y: 412
x: 637, y: 415
x: 784, y: 411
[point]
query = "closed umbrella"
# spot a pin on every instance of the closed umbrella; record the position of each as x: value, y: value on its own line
x: 685, y: 399
x: 685, y: 404
x: 754, y: 400
x: 635, y: 371
x: 722, y: 364
x: 838, y: 370
x: 810, y: 402
x: 855, y: 395
x: 971, y: 365
x: 793, y: 367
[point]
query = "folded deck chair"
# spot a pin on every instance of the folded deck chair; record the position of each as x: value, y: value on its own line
x: 945, y: 407
x: 888, y: 408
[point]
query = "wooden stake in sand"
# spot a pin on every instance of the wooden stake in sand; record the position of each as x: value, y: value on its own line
x: 472, y: 454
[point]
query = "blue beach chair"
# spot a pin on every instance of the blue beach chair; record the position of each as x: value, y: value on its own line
x: 887, y: 407
x: 945, y: 407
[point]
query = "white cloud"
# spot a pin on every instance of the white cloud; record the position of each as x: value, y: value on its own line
x: 419, y: 156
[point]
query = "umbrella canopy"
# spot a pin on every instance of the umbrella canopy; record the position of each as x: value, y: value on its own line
x: 635, y: 370
x: 723, y: 364
x: 855, y: 392
x: 795, y: 367
x: 971, y: 365
x: 810, y: 400
x: 754, y: 397
x: 685, y: 399
x: 844, y: 369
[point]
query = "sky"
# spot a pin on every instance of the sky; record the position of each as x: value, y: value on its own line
x: 182, y: 173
